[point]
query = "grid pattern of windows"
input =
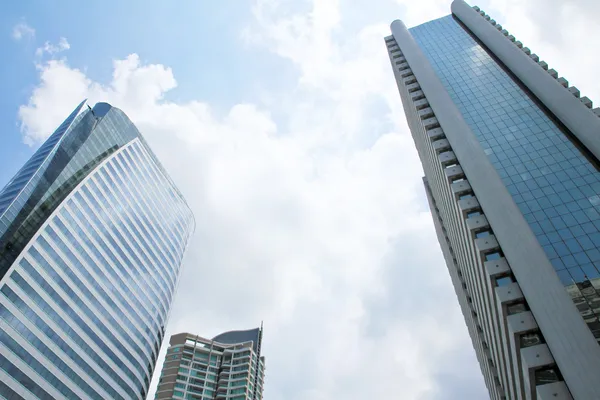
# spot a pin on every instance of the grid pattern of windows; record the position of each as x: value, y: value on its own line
x: 206, y: 369
x: 549, y: 177
x: 70, y: 155
x: 84, y: 307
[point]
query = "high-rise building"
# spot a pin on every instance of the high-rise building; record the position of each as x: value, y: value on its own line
x: 92, y: 236
x: 510, y: 153
x: 226, y: 367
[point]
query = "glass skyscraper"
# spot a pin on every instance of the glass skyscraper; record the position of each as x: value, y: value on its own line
x: 92, y: 236
x: 510, y: 153
x: 226, y: 367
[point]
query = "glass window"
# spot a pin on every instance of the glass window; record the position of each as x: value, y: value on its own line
x: 482, y: 234
x: 504, y: 281
x: 553, y: 183
x: 530, y: 339
x: 547, y: 375
x: 516, y: 308
x: 493, y: 256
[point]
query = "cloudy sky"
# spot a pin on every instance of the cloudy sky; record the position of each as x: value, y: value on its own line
x: 280, y: 122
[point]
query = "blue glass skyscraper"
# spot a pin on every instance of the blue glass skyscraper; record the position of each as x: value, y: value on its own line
x: 92, y: 237
x: 511, y: 159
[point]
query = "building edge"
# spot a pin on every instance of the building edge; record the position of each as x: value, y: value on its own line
x: 564, y: 104
x: 574, y: 348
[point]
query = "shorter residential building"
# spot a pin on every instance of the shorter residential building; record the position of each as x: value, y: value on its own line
x: 226, y: 367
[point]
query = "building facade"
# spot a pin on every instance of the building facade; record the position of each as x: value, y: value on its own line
x: 226, y: 367
x: 92, y: 236
x: 510, y: 153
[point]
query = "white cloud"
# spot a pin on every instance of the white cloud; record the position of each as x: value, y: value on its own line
x: 413, y: 15
x: 316, y: 224
x: 561, y: 33
x: 22, y: 31
x: 52, y: 49
x: 61, y: 87
x: 305, y: 226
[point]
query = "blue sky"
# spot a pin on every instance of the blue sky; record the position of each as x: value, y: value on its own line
x: 195, y: 38
x: 281, y: 123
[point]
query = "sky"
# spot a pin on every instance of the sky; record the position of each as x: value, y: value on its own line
x: 281, y: 124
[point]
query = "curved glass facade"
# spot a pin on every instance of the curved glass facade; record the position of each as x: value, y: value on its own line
x: 232, y: 337
x: 91, y: 253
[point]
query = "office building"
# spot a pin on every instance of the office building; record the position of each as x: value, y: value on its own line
x: 226, y: 367
x: 510, y: 153
x: 92, y: 236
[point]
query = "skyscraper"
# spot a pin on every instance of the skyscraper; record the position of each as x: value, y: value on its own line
x: 228, y: 366
x: 92, y: 236
x: 510, y: 153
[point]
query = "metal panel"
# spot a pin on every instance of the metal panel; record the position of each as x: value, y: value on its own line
x: 571, y: 342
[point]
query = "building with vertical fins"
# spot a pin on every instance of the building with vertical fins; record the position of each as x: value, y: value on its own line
x: 227, y: 367
x: 92, y: 237
x: 510, y: 153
